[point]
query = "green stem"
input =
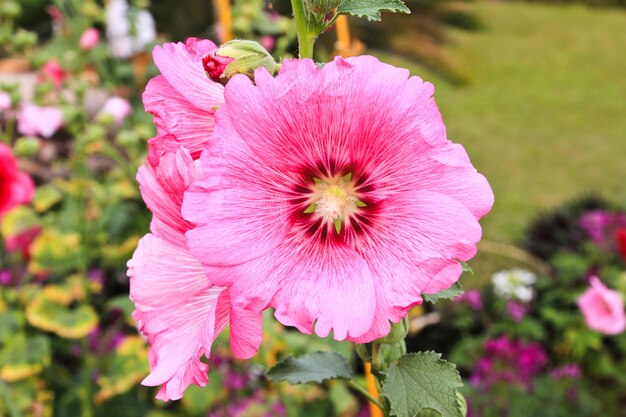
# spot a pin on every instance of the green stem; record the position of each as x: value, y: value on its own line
x: 306, y: 39
x: 10, y: 129
x: 85, y: 389
x: 365, y: 392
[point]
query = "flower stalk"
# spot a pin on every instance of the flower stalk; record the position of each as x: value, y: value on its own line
x: 306, y: 38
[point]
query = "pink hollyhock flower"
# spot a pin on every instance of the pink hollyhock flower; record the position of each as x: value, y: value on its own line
x: 16, y: 187
x: 602, y: 308
x: 53, y: 71
x: 182, y: 99
x: 177, y: 306
x: 89, y: 39
x: 35, y: 120
x: 5, y: 102
x: 118, y: 108
x: 334, y: 196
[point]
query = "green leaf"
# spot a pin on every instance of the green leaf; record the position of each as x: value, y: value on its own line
x: 467, y: 268
x: 312, y: 367
x: 449, y: 293
x: 126, y: 368
x: 370, y: 9
x: 420, y: 381
x: 46, y: 197
x: 22, y: 357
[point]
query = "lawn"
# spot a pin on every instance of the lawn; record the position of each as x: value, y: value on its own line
x: 544, y: 116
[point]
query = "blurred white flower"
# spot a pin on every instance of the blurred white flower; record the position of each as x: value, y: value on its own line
x: 128, y: 30
x: 514, y: 284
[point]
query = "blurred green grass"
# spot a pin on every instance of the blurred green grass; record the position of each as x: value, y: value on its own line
x: 544, y: 113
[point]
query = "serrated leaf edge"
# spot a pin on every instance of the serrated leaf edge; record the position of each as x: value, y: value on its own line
x: 438, y: 355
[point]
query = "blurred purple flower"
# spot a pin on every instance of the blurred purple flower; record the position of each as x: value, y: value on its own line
x: 508, y: 361
x: 234, y: 381
x: 569, y: 370
x: 5, y: 277
x: 600, y: 226
x: 472, y: 298
x: 517, y: 311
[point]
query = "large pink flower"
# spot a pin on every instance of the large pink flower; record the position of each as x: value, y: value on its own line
x: 182, y: 99
x: 177, y: 306
x: 602, y: 308
x: 16, y: 187
x: 334, y: 196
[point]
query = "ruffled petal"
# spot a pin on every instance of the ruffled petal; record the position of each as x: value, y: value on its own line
x: 179, y: 123
x: 162, y: 189
x: 311, y: 288
x: 177, y: 309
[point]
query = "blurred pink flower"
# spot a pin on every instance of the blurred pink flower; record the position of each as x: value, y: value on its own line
x: 55, y: 14
x: 22, y: 241
x: 16, y: 187
x: 267, y: 42
x: 472, y: 298
x: 5, y: 277
x: 334, y: 196
x: 118, y: 108
x: 516, y: 310
x: 53, y: 71
x: 508, y: 361
x: 89, y: 39
x: 35, y: 120
x: 177, y: 306
x: 602, y: 308
x: 182, y: 99
x: 5, y: 101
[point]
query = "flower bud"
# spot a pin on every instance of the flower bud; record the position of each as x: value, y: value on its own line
x: 364, y: 352
x: 237, y: 57
x: 322, y: 6
x: 397, y: 333
x: 391, y: 353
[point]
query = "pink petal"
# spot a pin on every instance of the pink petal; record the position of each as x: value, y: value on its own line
x: 162, y: 189
x: 179, y: 122
x: 246, y: 332
x: 184, y: 72
x: 235, y: 205
x: 311, y: 288
x: 177, y: 308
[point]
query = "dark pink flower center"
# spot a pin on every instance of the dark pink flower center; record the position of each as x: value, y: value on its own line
x: 333, y: 204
